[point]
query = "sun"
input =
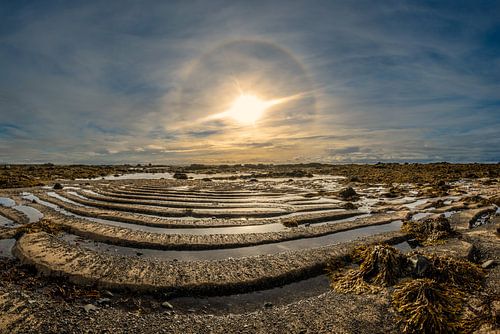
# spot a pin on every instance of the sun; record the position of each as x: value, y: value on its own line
x: 247, y: 109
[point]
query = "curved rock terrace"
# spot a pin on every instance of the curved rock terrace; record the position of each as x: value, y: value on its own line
x: 219, y: 253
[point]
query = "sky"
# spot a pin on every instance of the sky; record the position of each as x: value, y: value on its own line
x: 328, y: 81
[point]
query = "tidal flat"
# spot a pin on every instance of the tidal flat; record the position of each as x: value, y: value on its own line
x: 247, y: 248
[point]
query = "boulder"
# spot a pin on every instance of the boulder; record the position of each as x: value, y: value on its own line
x: 180, y: 176
x: 454, y: 248
x: 419, y: 265
x: 465, y: 219
x: 348, y: 193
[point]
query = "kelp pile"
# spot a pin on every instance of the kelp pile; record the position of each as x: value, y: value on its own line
x: 429, y: 231
x: 379, y: 266
x: 435, y: 304
x: 428, y: 306
x: 429, y: 290
x: 462, y: 274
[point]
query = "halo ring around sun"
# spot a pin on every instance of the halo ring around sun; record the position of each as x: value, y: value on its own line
x: 246, y: 81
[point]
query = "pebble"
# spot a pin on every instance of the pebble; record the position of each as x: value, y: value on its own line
x: 90, y: 307
x: 167, y: 305
x: 108, y: 293
x: 487, y: 264
x: 103, y: 300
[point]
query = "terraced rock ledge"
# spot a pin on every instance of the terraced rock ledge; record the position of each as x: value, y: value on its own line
x: 189, y: 222
x: 142, y: 239
x: 54, y: 257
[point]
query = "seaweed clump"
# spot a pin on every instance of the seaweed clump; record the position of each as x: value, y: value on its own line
x: 459, y: 273
x: 429, y: 290
x: 429, y: 231
x: 428, y: 306
x: 379, y: 266
x: 436, y: 303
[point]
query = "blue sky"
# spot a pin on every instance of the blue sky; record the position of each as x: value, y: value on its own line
x: 140, y: 81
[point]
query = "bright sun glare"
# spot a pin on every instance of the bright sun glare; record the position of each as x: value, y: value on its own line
x: 247, y: 109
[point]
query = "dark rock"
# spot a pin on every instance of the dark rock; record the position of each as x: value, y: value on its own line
x: 472, y: 253
x: 57, y: 186
x: 298, y: 173
x: 437, y: 204
x: 419, y: 265
x: 413, y: 243
x: 268, y: 304
x: 348, y: 193
x: 354, y: 179
x: 390, y: 194
x: 180, y: 176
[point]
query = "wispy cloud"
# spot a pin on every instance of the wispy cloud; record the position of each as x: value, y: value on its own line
x: 126, y: 81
